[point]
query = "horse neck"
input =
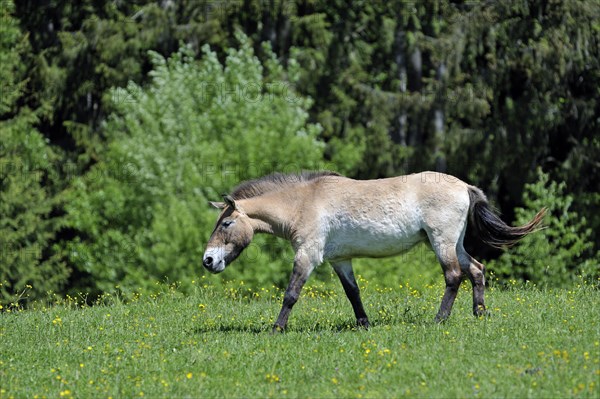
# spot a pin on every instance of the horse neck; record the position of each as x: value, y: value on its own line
x: 270, y: 214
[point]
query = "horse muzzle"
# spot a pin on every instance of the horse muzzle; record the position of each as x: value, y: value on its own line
x: 214, y: 260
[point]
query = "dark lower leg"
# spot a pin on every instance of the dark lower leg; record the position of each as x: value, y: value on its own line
x: 346, y: 275
x: 299, y: 276
x: 353, y: 295
x: 478, y: 281
x: 453, y: 280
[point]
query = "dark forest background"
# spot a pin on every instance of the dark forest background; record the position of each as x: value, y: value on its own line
x: 119, y: 120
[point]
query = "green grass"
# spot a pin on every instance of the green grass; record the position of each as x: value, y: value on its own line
x: 216, y: 343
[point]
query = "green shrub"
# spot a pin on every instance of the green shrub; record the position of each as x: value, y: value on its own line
x: 201, y: 127
x: 560, y: 252
x: 417, y: 267
x: 27, y: 229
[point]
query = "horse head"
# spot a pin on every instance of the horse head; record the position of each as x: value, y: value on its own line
x: 233, y: 232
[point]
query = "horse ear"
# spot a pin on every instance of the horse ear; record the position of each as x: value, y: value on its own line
x: 218, y: 205
x: 229, y: 201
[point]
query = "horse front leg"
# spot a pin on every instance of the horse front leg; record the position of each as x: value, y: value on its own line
x: 344, y: 271
x: 302, y: 269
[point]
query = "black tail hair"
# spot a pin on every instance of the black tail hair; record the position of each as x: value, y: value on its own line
x: 491, y: 229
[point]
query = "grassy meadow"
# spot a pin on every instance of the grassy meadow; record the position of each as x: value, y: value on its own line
x: 216, y: 342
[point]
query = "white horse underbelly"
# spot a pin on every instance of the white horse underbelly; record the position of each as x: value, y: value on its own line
x: 373, y: 238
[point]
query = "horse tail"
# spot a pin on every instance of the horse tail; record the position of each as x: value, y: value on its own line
x: 491, y: 229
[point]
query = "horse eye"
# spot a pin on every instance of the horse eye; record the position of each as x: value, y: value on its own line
x: 227, y: 223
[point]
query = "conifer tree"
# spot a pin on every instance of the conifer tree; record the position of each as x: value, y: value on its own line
x: 29, y: 267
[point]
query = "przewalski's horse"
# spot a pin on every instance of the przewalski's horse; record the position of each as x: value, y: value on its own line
x: 328, y: 217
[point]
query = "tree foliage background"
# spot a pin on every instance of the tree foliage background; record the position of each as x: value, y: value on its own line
x: 119, y: 120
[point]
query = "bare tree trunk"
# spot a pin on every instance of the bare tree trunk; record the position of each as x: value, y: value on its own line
x: 415, y: 73
x: 439, y: 122
x: 399, y: 135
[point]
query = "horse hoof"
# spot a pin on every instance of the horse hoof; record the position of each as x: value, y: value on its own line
x: 363, y: 323
x: 277, y: 330
x: 441, y: 318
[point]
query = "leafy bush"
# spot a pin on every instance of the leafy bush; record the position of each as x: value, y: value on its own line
x: 557, y: 254
x: 417, y: 268
x: 142, y: 212
x: 27, y: 261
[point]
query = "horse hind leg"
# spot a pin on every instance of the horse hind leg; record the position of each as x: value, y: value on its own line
x: 453, y: 276
x: 475, y: 271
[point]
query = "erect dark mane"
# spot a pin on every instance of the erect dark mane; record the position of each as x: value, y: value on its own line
x: 275, y: 181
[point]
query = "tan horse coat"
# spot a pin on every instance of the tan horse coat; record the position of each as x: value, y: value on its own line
x: 328, y: 217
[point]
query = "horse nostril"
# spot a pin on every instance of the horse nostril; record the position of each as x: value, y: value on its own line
x: 208, y: 261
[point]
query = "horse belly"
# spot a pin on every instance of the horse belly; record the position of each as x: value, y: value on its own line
x: 375, y: 240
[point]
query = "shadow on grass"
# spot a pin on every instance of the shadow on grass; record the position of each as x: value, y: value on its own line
x: 319, y: 327
x: 231, y: 328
